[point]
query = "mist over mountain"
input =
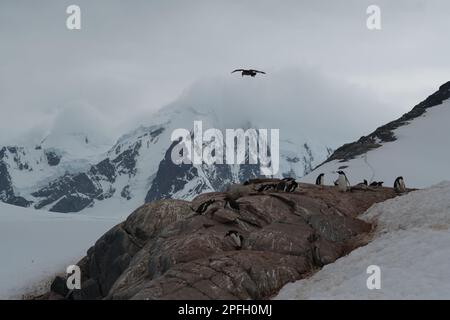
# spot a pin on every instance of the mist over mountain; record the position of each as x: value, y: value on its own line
x: 74, y: 165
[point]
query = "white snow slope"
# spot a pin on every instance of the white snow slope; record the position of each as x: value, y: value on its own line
x: 411, y: 247
x: 36, y: 245
x: 421, y: 154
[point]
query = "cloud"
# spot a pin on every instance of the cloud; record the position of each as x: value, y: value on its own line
x: 135, y: 58
x: 75, y: 118
x: 303, y: 103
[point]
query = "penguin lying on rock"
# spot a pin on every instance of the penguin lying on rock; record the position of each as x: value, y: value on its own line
x: 286, y: 185
x: 231, y: 202
x: 362, y: 184
x: 233, y: 193
x: 204, y: 206
x: 265, y: 187
x: 236, y: 238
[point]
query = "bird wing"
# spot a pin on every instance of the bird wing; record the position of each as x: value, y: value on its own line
x: 257, y: 71
x: 238, y: 70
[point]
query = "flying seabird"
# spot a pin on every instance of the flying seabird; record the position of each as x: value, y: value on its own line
x: 250, y: 72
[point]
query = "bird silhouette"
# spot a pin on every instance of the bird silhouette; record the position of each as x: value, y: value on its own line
x: 248, y: 72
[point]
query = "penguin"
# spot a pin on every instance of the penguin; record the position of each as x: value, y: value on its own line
x: 233, y: 193
x: 236, y: 237
x: 377, y: 184
x: 231, y: 202
x: 281, y: 186
x: 292, y: 186
x: 204, y: 206
x: 342, y: 181
x: 261, y: 188
x: 266, y: 187
x: 320, y: 181
x: 362, y: 184
x: 399, y: 185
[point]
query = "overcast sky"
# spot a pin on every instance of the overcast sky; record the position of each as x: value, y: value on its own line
x: 133, y: 57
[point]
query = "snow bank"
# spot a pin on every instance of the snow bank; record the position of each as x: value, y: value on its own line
x: 411, y: 246
x: 36, y: 245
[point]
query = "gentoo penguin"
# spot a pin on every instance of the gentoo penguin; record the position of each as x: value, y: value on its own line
x: 236, y: 237
x: 342, y: 181
x: 231, y: 202
x: 265, y: 187
x: 377, y: 184
x: 281, y: 186
x: 364, y: 183
x: 399, y: 185
x: 233, y: 193
x: 204, y: 206
x: 292, y: 186
x: 320, y: 181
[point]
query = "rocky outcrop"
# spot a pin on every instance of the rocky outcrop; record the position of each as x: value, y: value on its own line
x: 173, y: 249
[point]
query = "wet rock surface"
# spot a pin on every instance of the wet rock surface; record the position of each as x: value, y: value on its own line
x: 173, y: 249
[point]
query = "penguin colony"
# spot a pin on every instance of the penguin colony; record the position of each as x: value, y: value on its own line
x: 234, y: 192
x: 343, y: 184
x: 286, y: 185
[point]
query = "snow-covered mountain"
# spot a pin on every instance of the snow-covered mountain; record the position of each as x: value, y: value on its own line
x: 81, y: 174
x: 416, y: 146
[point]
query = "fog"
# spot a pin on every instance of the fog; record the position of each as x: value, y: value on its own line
x: 326, y: 70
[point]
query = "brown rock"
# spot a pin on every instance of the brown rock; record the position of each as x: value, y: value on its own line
x: 170, y: 250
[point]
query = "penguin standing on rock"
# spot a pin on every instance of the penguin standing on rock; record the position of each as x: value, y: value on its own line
x: 342, y: 181
x: 320, y: 181
x: 399, y: 185
x: 236, y: 237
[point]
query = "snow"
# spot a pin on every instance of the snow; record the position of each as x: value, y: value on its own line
x: 37, y: 245
x: 411, y: 245
x: 421, y: 154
